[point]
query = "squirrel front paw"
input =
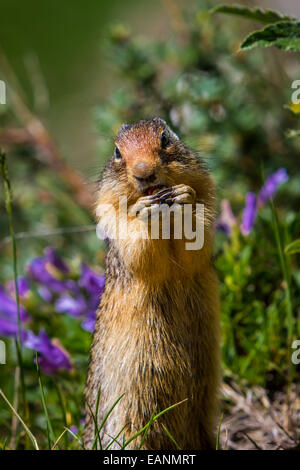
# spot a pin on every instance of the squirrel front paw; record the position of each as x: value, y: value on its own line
x: 180, y: 194
x: 146, y: 205
x: 143, y: 207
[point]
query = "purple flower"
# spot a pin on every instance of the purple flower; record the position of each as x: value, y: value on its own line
x: 74, y: 429
x: 40, y: 271
x: 8, y: 328
x: 49, y: 270
x: 73, y: 306
x: 91, y: 281
x: 9, y: 315
x: 54, y: 357
x: 23, y: 287
x: 55, y: 260
x: 45, y: 293
x: 226, y: 220
x: 89, y: 322
x: 8, y: 308
x: 249, y: 214
x: 77, y: 304
x: 77, y: 299
x: 271, y: 185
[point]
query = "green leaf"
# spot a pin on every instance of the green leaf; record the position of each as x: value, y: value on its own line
x: 259, y: 14
x: 293, y: 247
x: 285, y: 35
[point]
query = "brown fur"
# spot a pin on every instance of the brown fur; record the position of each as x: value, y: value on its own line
x: 157, y: 332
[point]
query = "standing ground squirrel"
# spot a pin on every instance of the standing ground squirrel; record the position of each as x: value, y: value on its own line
x: 157, y: 333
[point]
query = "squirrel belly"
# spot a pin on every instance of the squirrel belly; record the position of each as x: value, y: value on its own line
x: 157, y: 337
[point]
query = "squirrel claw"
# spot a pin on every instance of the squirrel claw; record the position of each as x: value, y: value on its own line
x: 180, y: 194
x: 162, y: 197
x: 164, y: 191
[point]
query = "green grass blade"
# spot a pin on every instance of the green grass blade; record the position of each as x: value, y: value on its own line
x: 286, y: 274
x: 61, y: 402
x: 116, y: 437
x: 219, y: 432
x: 97, y: 414
x: 293, y: 247
x: 3, y: 447
x: 95, y: 419
x: 138, y: 433
x: 146, y: 430
x: 49, y: 425
x: 107, y: 415
x: 62, y: 406
x: 75, y: 437
x: 96, y: 432
x: 171, y: 437
x: 169, y: 408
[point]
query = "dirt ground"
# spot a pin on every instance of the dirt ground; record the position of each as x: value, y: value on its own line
x: 251, y: 420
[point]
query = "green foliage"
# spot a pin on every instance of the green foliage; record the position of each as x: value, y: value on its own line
x: 281, y: 31
x: 223, y: 105
x: 285, y: 35
x: 257, y: 14
x: 253, y: 299
x: 293, y: 247
x: 227, y: 106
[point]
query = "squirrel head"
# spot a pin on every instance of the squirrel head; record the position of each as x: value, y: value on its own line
x: 150, y: 156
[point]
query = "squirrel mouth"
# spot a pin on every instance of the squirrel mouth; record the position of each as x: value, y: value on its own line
x: 154, y: 189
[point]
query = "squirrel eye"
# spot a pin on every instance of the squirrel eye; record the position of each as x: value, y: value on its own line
x: 164, y: 140
x: 118, y: 155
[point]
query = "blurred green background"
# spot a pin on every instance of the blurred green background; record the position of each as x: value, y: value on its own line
x: 75, y: 71
x: 62, y: 39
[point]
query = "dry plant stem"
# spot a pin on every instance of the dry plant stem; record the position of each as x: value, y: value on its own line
x: 58, y: 439
x: 49, y: 233
x: 29, y: 433
x: 18, y: 343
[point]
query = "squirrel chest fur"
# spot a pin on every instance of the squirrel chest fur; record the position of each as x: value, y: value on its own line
x: 157, y: 332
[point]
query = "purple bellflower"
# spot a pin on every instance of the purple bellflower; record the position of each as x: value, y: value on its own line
x: 271, y: 185
x: 53, y: 356
x: 86, y: 300
x: 50, y: 270
x: 249, y: 214
x: 227, y: 220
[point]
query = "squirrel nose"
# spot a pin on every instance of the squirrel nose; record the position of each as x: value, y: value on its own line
x: 144, y: 173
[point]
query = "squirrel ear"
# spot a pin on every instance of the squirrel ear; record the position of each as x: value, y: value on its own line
x: 159, y: 119
x: 124, y: 127
x: 175, y: 136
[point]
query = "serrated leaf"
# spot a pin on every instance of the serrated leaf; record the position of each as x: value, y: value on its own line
x: 285, y: 35
x: 258, y: 14
x: 293, y: 247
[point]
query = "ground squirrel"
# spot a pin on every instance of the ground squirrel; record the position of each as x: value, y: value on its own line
x: 157, y: 331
